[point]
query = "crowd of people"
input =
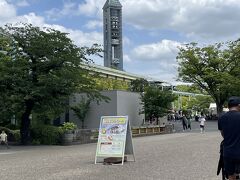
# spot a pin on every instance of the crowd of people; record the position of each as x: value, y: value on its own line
x: 186, y: 120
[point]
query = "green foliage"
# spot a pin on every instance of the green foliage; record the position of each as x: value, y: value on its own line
x: 111, y: 84
x: 43, y: 118
x: 41, y: 71
x: 36, y: 142
x: 213, y: 68
x: 189, y: 88
x: 6, y: 52
x: 16, y: 135
x: 199, y: 103
x: 5, y: 129
x: 68, y: 126
x: 81, y: 109
x: 139, y: 85
x: 46, y: 134
x: 12, y: 126
x: 156, y: 103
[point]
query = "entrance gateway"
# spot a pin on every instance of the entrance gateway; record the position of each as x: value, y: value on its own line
x: 114, y: 139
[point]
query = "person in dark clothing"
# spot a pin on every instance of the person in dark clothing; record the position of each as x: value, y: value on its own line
x: 221, y: 164
x: 229, y: 125
x: 188, y: 116
x: 184, y: 122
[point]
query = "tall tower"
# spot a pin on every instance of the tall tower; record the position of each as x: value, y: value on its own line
x: 112, y: 33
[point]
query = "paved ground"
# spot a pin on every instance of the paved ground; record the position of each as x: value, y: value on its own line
x: 179, y: 156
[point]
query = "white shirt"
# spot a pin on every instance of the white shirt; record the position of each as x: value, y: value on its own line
x: 202, y: 120
x: 3, y: 137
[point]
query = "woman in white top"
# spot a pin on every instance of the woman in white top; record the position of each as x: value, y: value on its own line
x: 3, y: 138
x: 202, y: 122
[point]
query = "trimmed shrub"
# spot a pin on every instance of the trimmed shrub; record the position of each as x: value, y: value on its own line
x: 46, y: 134
x: 12, y: 126
x: 35, y: 142
x: 16, y: 135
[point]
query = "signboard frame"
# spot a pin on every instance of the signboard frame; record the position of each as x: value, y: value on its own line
x: 114, y: 138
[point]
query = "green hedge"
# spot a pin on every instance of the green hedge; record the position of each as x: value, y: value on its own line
x: 16, y: 135
x: 12, y: 127
x: 46, y: 134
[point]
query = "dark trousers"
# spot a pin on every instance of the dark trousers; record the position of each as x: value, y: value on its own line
x: 184, y: 126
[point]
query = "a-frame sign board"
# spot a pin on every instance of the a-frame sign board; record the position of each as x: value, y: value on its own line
x: 114, y: 138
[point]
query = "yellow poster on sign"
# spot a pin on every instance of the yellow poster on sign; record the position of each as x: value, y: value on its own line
x: 112, y: 136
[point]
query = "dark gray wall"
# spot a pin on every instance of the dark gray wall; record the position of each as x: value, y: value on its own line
x: 122, y: 103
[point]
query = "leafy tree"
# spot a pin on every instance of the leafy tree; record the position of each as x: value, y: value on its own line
x: 81, y: 109
x: 213, y: 68
x: 7, y: 49
x: 189, y: 88
x: 200, y: 103
x: 139, y: 85
x: 111, y: 84
x: 44, y: 72
x: 156, y: 103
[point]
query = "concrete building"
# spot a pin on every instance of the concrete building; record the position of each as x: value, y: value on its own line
x: 112, y: 33
x: 122, y: 103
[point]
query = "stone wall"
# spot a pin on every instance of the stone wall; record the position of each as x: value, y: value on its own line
x: 84, y: 136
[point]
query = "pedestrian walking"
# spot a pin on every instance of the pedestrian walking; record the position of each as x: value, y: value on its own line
x: 184, y: 122
x: 3, y: 139
x: 229, y: 125
x: 202, y: 122
x: 189, y: 122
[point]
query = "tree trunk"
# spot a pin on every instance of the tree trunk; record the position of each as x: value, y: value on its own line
x: 25, y: 123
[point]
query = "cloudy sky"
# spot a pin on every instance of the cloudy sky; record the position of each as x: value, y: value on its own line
x: 153, y: 29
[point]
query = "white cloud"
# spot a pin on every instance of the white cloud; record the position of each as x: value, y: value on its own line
x: 126, y: 58
x: 195, y: 18
x: 166, y: 50
x: 6, y: 11
x: 79, y: 37
x: 8, y: 15
x: 30, y: 18
x: 91, y: 7
x: 69, y: 9
x: 157, y: 60
x: 85, y: 39
x: 94, y: 24
x: 155, y: 71
x: 87, y: 8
